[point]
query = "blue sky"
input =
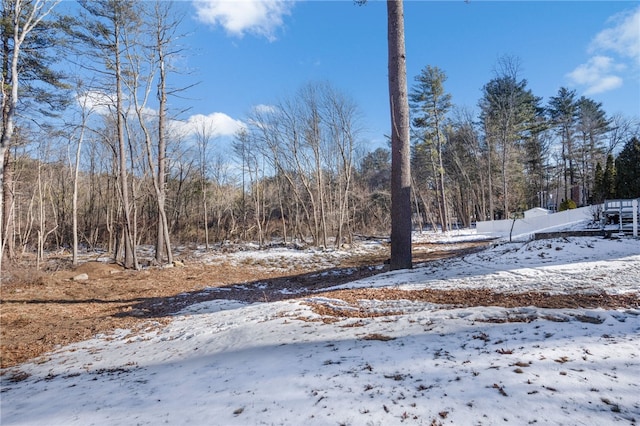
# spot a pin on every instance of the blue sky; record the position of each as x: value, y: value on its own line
x: 247, y: 53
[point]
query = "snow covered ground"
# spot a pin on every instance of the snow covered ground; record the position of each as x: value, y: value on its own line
x: 229, y: 363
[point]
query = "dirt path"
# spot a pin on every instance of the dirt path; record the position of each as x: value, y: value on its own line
x: 41, y: 311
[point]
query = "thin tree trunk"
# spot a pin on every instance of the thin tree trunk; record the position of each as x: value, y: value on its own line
x: 8, y: 226
x: 344, y: 195
x: 443, y: 197
x: 490, y: 182
x: 282, y: 214
x: 417, y: 204
x: 206, y: 216
x: 75, y: 194
x: 505, y: 194
x: 163, y: 242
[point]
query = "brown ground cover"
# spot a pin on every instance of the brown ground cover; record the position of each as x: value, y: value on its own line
x: 41, y: 310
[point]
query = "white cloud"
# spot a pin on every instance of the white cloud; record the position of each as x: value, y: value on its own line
x: 598, y: 75
x: 611, y: 50
x: 264, y: 109
x: 215, y: 124
x: 623, y: 38
x: 237, y: 17
x: 95, y: 102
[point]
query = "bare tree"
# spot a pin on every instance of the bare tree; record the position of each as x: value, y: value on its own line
x: 204, y: 136
x: 249, y: 154
x: 621, y: 130
x: 464, y: 165
x: 148, y: 61
x: 342, y: 128
x: 106, y: 31
x: 308, y: 141
x: 310, y: 120
x: 47, y: 214
x: 85, y: 112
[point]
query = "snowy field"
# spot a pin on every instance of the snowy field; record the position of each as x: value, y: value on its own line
x: 229, y: 363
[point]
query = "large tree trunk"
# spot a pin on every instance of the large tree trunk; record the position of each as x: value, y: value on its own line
x: 130, y: 260
x: 163, y: 240
x: 400, y: 141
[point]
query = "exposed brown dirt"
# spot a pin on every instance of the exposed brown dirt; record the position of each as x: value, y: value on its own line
x: 40, y: 311
x: 471, y: 297
x: 43, y: 310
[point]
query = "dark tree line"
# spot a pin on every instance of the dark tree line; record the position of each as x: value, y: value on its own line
x: 518, y: 153
x: 620, y: 178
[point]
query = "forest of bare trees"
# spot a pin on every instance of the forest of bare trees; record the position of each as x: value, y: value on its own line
x: 98, y: 161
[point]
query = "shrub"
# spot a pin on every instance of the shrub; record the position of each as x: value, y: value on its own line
x: 567, y: 205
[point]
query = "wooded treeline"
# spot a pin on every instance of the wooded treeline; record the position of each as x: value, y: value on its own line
x: 100, y: 159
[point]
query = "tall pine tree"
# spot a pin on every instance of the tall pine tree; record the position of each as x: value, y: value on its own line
x: 592, y: 125
x: 563, y: 111
x: 29, y: 83
x: 430, y: 104
x: 510, y: 115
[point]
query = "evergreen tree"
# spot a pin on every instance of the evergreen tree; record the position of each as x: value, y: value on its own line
x: 28, y: 84
x: 609, y: 178
x: 510, y: 115
x: 536, y: 157
x: 430, y: 104
x: 375, y: 170
x: 627, y: 168
x: 592, y: 125
x: 563, y: 111
x: 598, y: 184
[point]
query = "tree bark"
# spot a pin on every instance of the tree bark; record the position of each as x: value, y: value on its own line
x: 163, y: 239
x: 400, y: 141
x: 130, y: 260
